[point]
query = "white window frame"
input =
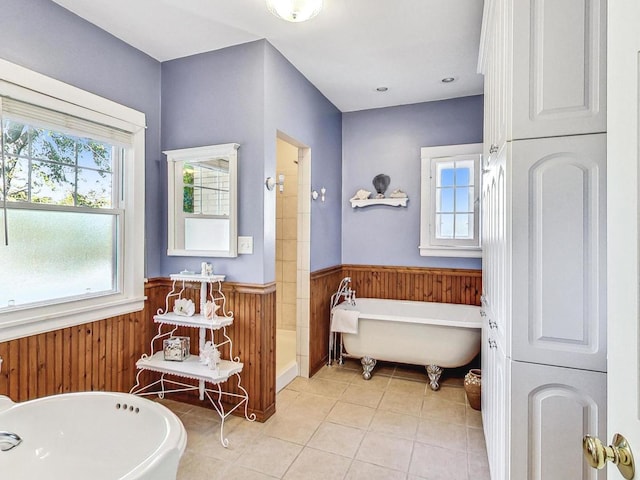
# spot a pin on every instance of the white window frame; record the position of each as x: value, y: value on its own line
x: 447, y: 247
x: 28, y: 86
x: 227, y: 236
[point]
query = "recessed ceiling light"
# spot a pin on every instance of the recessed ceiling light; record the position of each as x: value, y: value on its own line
x: 382, y: 89
x: 447, y: 79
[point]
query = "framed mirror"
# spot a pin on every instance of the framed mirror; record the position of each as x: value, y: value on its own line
x: 203, y: 198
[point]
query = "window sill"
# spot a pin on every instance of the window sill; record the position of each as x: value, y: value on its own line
x: 23, y: 323
x: 461, y: 252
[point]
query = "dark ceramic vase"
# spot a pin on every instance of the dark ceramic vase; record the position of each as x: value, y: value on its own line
x: 381, y: 183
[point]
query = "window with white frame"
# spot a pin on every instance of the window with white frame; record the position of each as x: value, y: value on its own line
x: 71, y: 205
x: 450, y: 206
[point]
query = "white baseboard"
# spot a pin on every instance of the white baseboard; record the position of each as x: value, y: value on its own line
x: 287, y: 375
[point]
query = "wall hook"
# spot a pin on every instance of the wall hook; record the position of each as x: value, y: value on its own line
x: 270, y: 183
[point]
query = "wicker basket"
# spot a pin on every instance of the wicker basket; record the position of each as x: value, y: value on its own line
x: 473, y: 387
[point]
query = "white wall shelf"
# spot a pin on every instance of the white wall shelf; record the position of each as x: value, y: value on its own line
x: 391, y: 202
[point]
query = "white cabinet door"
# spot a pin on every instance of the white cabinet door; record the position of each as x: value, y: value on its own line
x: 495, y: 407
x: 558, y: 216
x: 501, y: 445
x: 552, y: 408
x: 502, y: 73
x: 559, y: 67
x: 495, y: 255
x: 495, y: 48
x: 488, y: 378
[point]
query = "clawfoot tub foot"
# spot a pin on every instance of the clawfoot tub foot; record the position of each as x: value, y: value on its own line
x: 367, y: 366
x: 434, y: 373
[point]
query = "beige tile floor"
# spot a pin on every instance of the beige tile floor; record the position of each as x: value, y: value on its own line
x: 339, y: 426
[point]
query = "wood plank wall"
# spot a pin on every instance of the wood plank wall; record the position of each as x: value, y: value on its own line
x: 415, y: 283
x: 323, y: 284
x: 101, y: 355
x: 397, y: 283
x: 253, y: 336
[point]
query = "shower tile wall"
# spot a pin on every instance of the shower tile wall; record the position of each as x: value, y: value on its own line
x: 286, y: 237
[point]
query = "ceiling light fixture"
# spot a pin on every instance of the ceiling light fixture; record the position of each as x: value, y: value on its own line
x: 447, y: 79
x: 382, y: 89
x: 295, y: 10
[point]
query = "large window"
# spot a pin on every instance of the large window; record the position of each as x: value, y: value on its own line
x: 450, y: 209
x: 63, y: 222
x: 70, y: 189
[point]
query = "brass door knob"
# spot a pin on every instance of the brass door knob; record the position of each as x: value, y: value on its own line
x: 597, y: 454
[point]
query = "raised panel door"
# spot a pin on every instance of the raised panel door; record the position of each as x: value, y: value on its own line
x: 495, y: 244
x: 501, y: 80
x: 495, y: 406
x: 488, y: 378
x: 559, y: 67
x: 559, y: 251
x: 551, y: 409
x: 501, y: 389
x: 488, y: 110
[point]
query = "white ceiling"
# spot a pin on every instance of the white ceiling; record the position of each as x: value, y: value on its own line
x: 349, y: 49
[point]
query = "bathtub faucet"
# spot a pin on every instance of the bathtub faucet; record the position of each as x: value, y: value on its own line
x: 351, y: 296
x: 8, y: 441
x: 345, y: 291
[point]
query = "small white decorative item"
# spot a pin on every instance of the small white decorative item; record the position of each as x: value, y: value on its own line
x: 206, y: 269
x: 398, y: 194
x: 361, y: 194
x: 210, y: 309
x: 176, y: 349
x: 210, y: 356
x: 185, y: 307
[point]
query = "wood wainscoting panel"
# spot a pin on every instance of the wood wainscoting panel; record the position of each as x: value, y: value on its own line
x: 397, y: 283
x: 101, y: 355
x: 440, y: 285
x: 253, y: 340
x: 323, y: 284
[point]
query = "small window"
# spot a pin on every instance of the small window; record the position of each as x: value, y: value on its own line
x: 450, y: 207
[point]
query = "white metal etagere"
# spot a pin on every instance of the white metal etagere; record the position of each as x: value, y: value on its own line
x: 192, y: 368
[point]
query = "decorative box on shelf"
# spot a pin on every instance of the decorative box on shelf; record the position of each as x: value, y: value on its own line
x: 176, y: 349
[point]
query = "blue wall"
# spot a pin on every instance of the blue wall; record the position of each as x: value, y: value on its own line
x: 296, y: 108
x: 46, y: 38
x: 388, y: 140
x: 246, y: 94
x: 212, y: 98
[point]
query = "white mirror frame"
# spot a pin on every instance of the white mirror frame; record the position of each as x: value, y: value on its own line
x: 199, y: 154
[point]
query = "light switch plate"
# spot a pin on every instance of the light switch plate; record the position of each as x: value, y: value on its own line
x: 245, y: 245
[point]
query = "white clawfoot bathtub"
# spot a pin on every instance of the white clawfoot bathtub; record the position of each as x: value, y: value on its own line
x: 436, y: 335
x: 89, y: 435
